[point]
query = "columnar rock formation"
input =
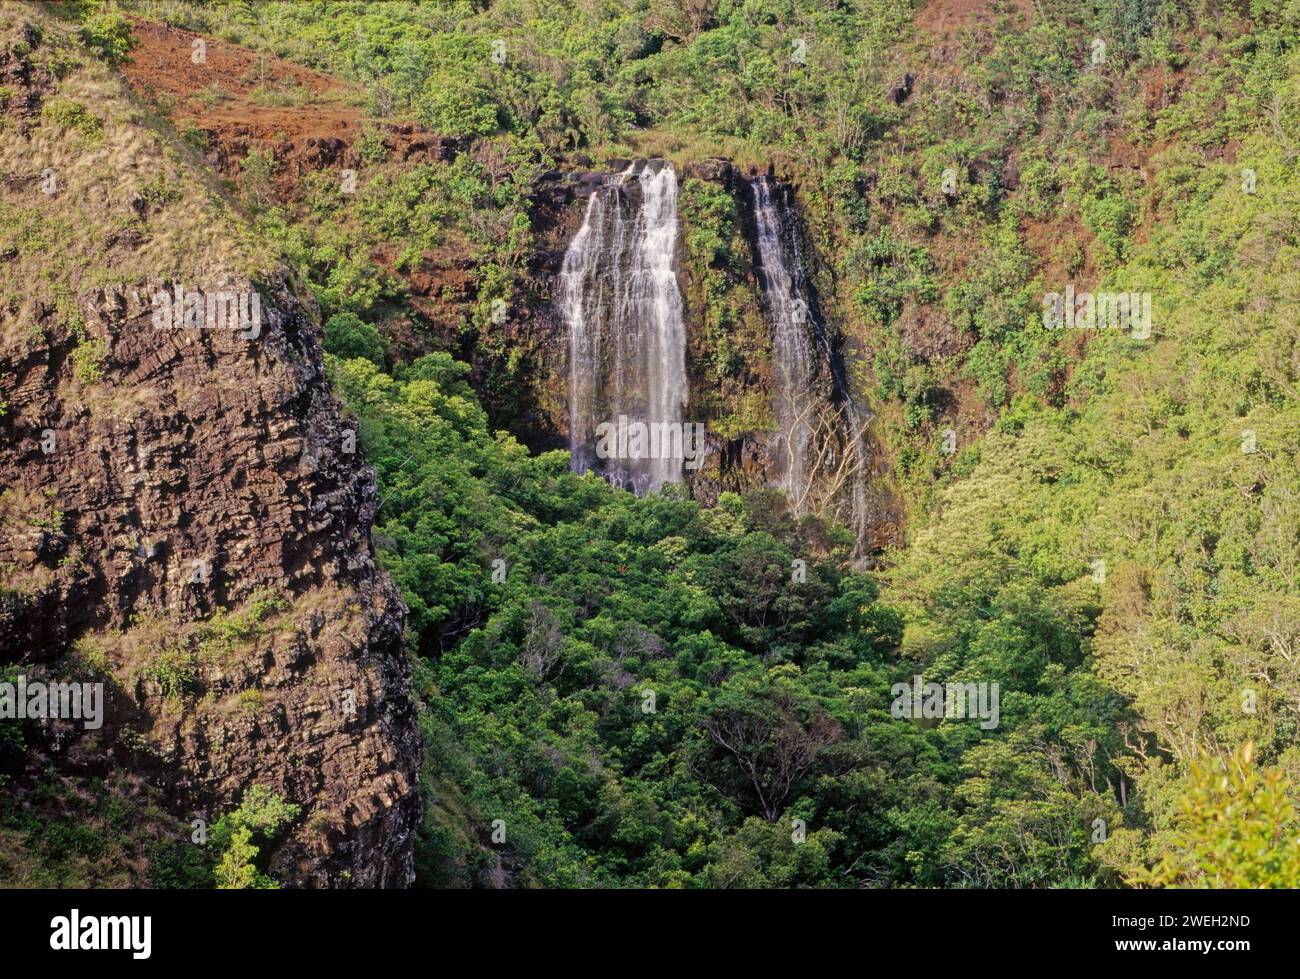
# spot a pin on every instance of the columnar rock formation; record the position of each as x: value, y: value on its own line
x: 185, y: 513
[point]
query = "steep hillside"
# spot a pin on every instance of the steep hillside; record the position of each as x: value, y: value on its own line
x: 186, y: 519
x: 1011, y: 284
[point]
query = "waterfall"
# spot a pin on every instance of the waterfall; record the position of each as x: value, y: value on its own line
x: 787, y: 308
x: 618, y: 295
x: 801, y: 351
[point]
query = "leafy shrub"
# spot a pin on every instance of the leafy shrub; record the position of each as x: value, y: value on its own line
x: 108, y: 34
x: 1236, y: 827
x: 348, y: 336
x: 238, y: 838
x: 67, y: 114
x: 174, y: 671
x: 193, y: 136
x: 257, y: 175
x: 370, y: 145
x: 88, y: 361
x: 179, y: 864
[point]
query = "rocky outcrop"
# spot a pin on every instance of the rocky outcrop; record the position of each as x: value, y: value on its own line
x: 230, y: 138
x: 186, y: 513
x: 230, y: 475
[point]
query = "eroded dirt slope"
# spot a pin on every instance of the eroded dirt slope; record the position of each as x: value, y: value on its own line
x: 240, y: 100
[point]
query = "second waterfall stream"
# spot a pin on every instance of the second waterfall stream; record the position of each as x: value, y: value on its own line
x: 821, y: 451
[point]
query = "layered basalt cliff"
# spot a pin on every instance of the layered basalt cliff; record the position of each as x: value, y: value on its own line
x: 185, y: 512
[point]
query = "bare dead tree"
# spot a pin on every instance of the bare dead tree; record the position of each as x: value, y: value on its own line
x: 839, y: 461
x: 543, y: 650
x: 772, y: 748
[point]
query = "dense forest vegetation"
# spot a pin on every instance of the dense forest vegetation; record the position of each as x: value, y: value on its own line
x: 623, y: 691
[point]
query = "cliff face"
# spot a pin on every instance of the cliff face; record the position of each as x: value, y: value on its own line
x: 184, y: 511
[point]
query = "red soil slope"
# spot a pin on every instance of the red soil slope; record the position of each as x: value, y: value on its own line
x: 243, y: 100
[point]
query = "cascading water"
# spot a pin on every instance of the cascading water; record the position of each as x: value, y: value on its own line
x: 787, y: 309
x: 618, y: 293
x: 800, y: 348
